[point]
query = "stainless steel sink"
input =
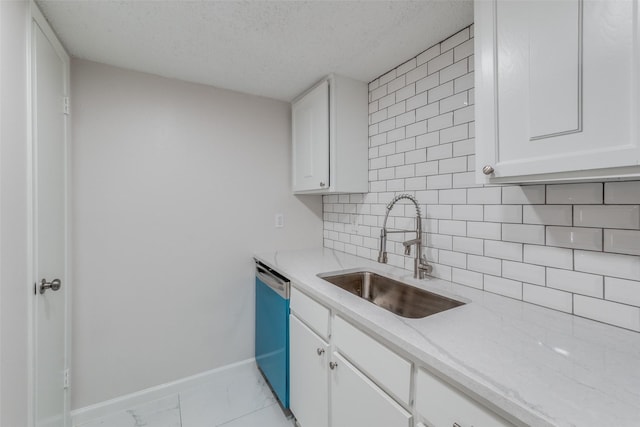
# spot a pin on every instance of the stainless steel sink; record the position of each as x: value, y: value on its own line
x: 397, y: 297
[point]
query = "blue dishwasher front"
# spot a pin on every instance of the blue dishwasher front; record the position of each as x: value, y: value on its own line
x: 272, y: 330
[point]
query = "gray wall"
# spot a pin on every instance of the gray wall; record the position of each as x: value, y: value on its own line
x: 175, y: 185
x: 14, y: 262
x: 570, y: 247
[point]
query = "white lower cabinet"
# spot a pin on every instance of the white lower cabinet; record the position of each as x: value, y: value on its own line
x: 357, y: 401
x: 342, y: 376
x: 444, y: 406
x: 308, y: 371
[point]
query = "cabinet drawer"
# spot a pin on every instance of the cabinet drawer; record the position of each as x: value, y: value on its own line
x: 444, y: 405
x: 389, y: 370
x: 315, y: 315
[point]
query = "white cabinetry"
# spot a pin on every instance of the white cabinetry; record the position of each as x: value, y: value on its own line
x: 557, y: 90
x: 309, y: 382
x: 344, y: 377
x: 330, y: 138
x: 357, y: 401
x: 443, y: 405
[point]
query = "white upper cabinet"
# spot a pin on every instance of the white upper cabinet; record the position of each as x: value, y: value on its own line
x: 556, y: 90
x: 330, y: 138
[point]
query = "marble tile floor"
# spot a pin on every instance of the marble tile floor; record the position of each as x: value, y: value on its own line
x: 237, y: 398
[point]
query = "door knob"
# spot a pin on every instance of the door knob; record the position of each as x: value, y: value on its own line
x: 320, y: 351
x: 487, y: 170
x: 54, y: 285
x: 333, y: 365
x: 322, y: 184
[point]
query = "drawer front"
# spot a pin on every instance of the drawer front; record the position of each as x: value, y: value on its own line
x: 443, y: 405
x: 315, y: 315
x: 389, y: 370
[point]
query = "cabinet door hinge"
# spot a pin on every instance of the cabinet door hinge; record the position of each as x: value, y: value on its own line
x: 65, y: 380
x: 65, y: 105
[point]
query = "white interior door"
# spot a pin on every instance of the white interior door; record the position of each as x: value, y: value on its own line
x: 50, y: 66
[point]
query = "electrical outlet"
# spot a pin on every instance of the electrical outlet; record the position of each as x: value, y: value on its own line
x: 279, y: 220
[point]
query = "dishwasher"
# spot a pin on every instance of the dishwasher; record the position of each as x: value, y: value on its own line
x: 272, y: 330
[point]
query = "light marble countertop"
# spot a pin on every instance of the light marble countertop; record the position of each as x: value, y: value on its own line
x: 540, y: 366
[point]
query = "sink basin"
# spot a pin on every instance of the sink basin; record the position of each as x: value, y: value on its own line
x: 397, y: 297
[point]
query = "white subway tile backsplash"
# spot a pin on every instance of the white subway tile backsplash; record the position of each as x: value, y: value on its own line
x: 455, y: 40
x: 452, y: 259
x: 439, y: 211
x: 622, y: 193
x: 407, y: 66
x: 440, y: 61
x: 622, y: 241
x: 549, y: 256
x: 428, y: 111
x: 419, y: 100
x: 453, y: 71
x: 568, y: 247
x: 454, y: 228
x: 463, y: 50
x: 428, y: 54
x: 620, y: 290
x: 439, y: 182
x: 440, y: 241
x: 452, y: 165
x: 417, y: 74
x: 484, y: 264
x: 406, y: 92
x: 464, y: 148
x: 468, y: 245
x: 503, y: 250
x: 463, y: 83
x: 523, y: 272
x: 416, y: 156
x: 609, y: 216
x: 396, y: 109
x: 523, y: 195
x: 440, y: 122
x: 455, y: 133
x: 574, y: 194
x: 427, y: 83
x: 547, y: 214
x: 464, y: 180
x: 427, y: 140
x: 503, y: 213
x: 484, y: 196
x: 614, y: 265
x: 454, y: 197
x: 574, y: 237
x: 464, y: 115
x: 546, y: 297
x: 498, y: 285
x: 453, y: 102
x: 625, y: 316
x: 484, y: 230
x: 468, y: 212
x: 523, y: 233
x: 466, y: 277
x: 575, y: 282
x: 427, y: 168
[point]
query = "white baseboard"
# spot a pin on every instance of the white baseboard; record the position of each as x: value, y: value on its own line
x: 122, y: 403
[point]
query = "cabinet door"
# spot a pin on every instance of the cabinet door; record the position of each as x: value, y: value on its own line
x: 310, y: 133
x: 356, y: 401
x: 443, y: 405
x: 308, y: 376
x: 557, y: 89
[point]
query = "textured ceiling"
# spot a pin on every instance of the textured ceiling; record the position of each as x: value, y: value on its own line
x: 270, y: 48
